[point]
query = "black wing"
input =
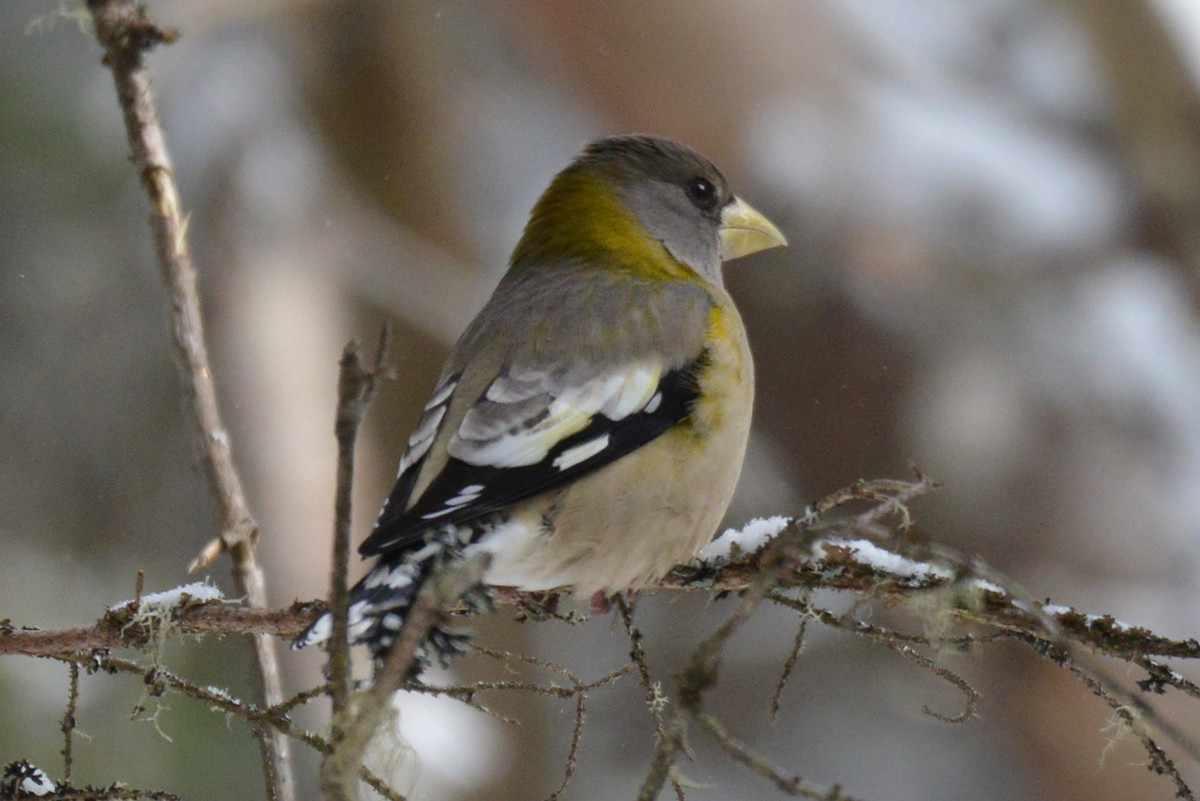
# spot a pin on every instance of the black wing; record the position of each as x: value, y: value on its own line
x: 483, y: 481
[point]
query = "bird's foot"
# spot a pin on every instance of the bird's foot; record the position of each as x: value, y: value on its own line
x: 601, y: 603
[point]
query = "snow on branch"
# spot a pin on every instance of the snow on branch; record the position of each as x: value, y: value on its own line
x: 851, y: 541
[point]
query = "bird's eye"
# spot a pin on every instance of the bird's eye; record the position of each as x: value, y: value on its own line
x: 702, y: 192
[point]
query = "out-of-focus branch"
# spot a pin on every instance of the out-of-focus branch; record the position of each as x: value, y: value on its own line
x: 127, y: 34
x: 1155, y: 124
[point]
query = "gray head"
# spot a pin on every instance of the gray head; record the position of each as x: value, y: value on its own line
x: 677, y: 195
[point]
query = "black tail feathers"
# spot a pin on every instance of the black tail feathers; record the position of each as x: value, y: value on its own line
x: 379, y: 604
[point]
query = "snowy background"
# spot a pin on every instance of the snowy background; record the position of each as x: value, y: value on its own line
x: 994, y: 210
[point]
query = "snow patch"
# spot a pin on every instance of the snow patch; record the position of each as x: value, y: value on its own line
x: 1056, y: 609
x: 169, y: 599
x: 988, y: 586
x: 882, y: 561
x: 748, y: 539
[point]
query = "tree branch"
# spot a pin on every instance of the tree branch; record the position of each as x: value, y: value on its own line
x: 127, y: 34
x: 816, y: 550
x: 357, y: 386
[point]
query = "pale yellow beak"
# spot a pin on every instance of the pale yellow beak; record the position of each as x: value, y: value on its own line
x: 744, y: 231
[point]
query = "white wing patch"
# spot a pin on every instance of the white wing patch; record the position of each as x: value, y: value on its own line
x: 524, y: 414
x: 632, y: 391
x: 467, y: 495
x: 581, y: 453
x: 427, y: 426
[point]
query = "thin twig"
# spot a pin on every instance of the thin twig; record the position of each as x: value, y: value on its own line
x: 275, y: 717
x: 791, y: 785
x: 1136, y: 702
x: 466, y: 692
x: 700, y: 675
x: 788, y: 665
x: 1158, y: 761
x: 68, y: 721
x: 847, y: 623
x: 573, y: 752
x: 363, y: 717
x: 357, y: 386
x: 1159, y: 677
x: 654, y: 697
x: 127, y: 34
x: 299, y: 699
x: 578, y: 690
x: 970, y: 694
x: 662, y: 766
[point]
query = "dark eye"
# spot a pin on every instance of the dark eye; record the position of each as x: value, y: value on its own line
x: 703, y: 193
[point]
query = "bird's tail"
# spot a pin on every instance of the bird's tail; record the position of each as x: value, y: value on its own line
x: 379, y: 604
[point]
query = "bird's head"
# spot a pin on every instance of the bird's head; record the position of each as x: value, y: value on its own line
x: 646, y: 205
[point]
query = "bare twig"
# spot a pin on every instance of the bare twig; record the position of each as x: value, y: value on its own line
x: 578, y: 690
x: 573, y: 753
x: 357, y: 386
x: 159, y: 679
x: 664, y: 742
x: 970, y: 694
x: 662, y: 766
x: 299, y: 699
x: 68, y: 722
x: 1130, y: 718
x: 788, y: 665
x: 127, y: 34
x: 700, y: 674
x: 362, y: 717
x: 1159, y: 677
x: 791, y: 785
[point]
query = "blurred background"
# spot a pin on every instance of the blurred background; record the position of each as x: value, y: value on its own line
x: 994, y: 210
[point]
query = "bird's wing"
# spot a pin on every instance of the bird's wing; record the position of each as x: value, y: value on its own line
x: 530, y: 431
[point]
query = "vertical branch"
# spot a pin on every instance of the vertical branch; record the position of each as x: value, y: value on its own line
x: 666, y: 742
x: 127, y: 34
x: 357, y: 386
x: 361, y: 718
x: 68, y: 722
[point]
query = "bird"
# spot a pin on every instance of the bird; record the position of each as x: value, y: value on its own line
x: 588, y: 428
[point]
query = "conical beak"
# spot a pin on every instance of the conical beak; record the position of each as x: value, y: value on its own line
x: 744, y: 231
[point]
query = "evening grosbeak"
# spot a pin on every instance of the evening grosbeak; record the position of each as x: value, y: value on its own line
x: 588, y: 428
